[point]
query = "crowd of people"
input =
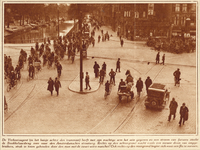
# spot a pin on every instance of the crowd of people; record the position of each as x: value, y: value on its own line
x: 175, y: 45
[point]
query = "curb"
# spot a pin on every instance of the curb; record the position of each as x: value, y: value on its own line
x: 82, y: 92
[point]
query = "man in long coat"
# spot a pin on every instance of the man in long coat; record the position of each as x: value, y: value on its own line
x: 158, y: 58
x: 118, y: 65
x: 57, y: 85
x: 96, y: 69
x: 50, y: 85
x: 139, y: 86
x: 148, y: 82
x: 173, y: 106
x: 183, y: 114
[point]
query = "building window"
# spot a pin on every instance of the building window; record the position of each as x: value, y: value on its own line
x: 150, y: 12
x: 183, y: 20
x: 136, y: 14
x: 144, y: 14
x: 177, y: 8
x: 177, y: 19
x: 184, y: 8
x: 127, y: 13
x: 174, y: 20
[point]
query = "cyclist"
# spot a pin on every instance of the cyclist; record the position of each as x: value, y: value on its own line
x: 107, y: 88
x: 31, y: 71
x: 17, y: 71
x: 12, y: 78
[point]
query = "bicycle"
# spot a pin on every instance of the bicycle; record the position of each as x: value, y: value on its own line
x: 34, y: 76
x: 11, y: 85
x: 109, y: 91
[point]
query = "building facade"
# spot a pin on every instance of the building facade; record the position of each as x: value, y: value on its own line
x: 134, y: 21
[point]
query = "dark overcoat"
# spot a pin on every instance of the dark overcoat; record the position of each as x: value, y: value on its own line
x: 139, y: 85
x: 50, y: 85
x: 57, y: 85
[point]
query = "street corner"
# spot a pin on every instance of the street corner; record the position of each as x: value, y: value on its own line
x: 75, y: 85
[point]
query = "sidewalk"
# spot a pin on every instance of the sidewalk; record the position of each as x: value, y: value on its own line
x: 75, y: 85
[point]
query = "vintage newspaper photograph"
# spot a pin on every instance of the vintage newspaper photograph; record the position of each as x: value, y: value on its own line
x: 99, y: 75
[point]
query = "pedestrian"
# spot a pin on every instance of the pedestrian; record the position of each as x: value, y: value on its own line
x: 112, y: 76
x: 59, y: 69
x: 158, y: 58
x: 183, y: 114
x: 148, y: 82
x: 87, y: 81
x: 102, y: 74
x: 163, y: 59
x: 173, y: 106
x: 122, y: 42
x: 118, y: 65
x: 139, y: 86
x: 99, y: 38
x: 93, y: 41
x: 103, y: 38
x: 57, y: 85
x: 96, y: 69
x: 72, y: 56
x: 50, y: 85
x: 177, y: 75
x: 104, y: 67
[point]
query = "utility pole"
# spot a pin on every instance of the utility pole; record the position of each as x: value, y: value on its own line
x: 58, y: 23
x: 81, y: 52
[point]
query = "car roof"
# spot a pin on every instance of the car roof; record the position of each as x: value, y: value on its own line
x: 157, y: 87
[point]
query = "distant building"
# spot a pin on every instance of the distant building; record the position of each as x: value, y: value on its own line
x: 134, y: 21
x: 184, y: 19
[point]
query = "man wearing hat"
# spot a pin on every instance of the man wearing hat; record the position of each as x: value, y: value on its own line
x: 177, y: 75
x: 183, y: 114
x: 139, y: 86
x: 118, y: 65
x: 57, y: 85
x: 148, y: 82
x: 173, y: 106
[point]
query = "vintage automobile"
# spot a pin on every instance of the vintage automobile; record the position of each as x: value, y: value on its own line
x: 157, y: 96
